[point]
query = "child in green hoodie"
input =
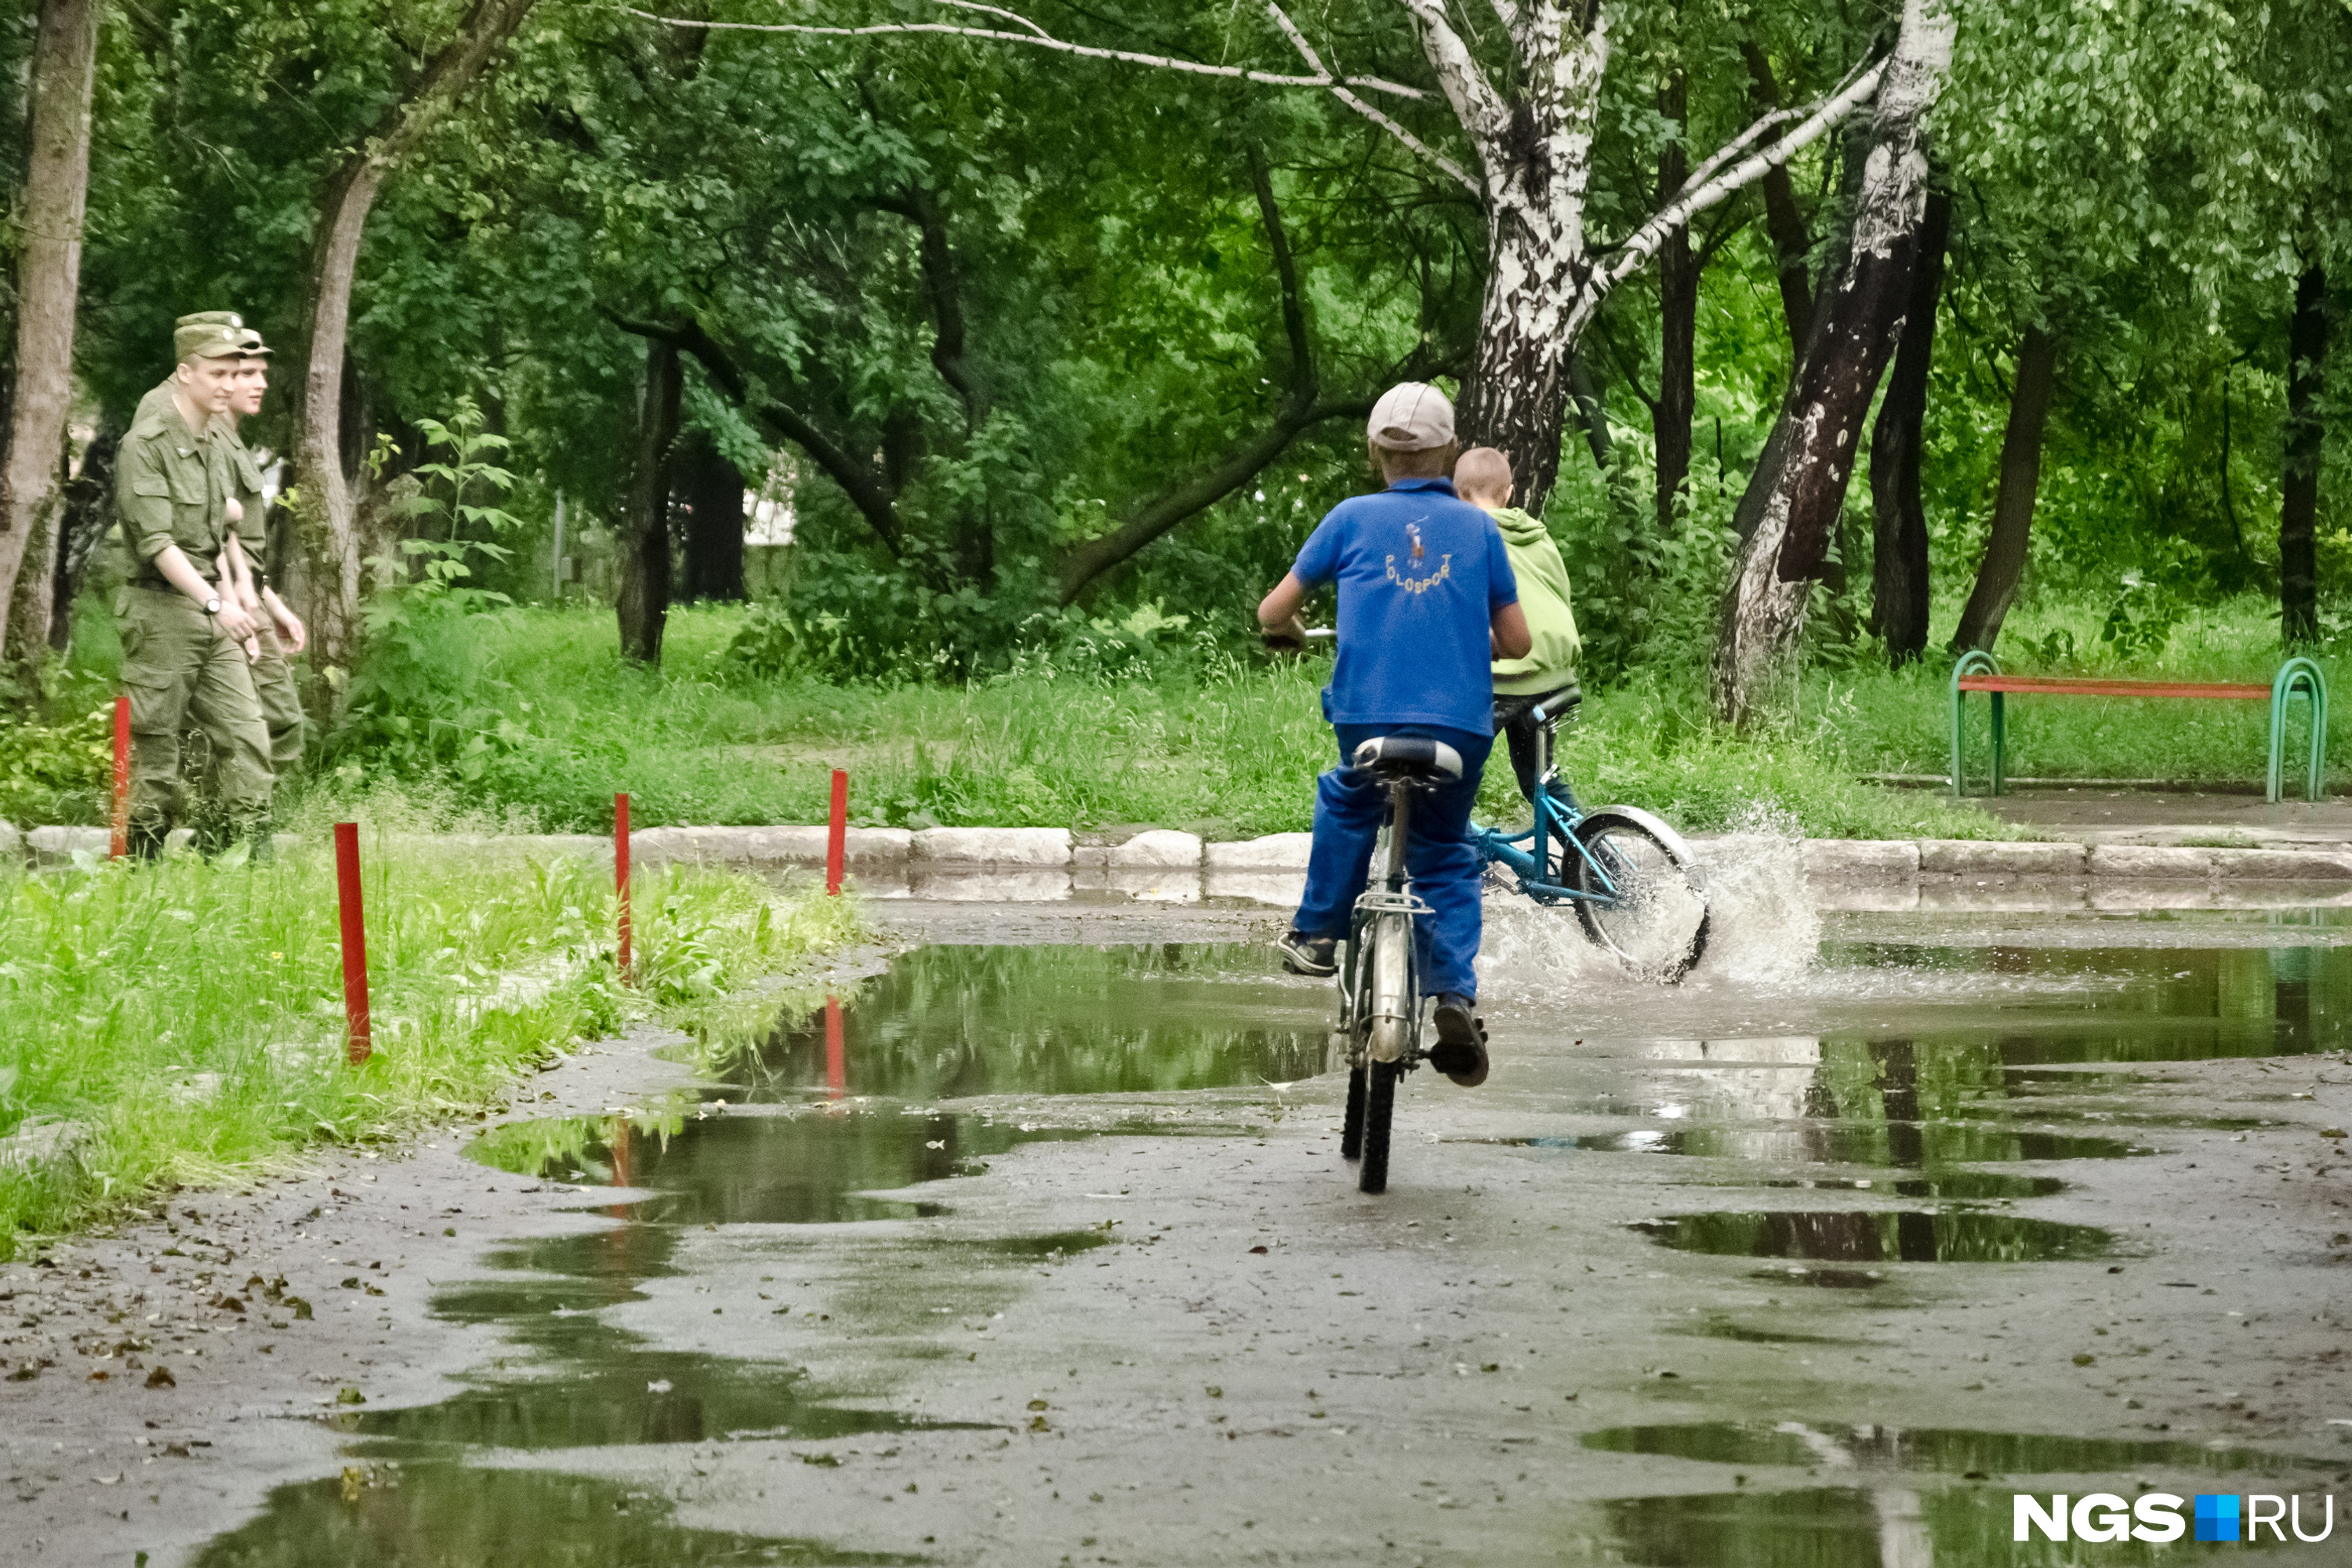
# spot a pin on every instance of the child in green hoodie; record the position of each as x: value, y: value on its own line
x: 1482, y: 476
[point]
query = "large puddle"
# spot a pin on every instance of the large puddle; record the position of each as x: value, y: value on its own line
x: 1933, y: 1093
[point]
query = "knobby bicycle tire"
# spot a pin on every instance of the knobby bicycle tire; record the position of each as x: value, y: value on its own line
x: 1380, y: 1105
x: 1648, y: 923
x: 1352, y: 1136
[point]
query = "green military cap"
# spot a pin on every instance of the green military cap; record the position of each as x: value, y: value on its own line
x: 252, y: 347
x: 216, y: 334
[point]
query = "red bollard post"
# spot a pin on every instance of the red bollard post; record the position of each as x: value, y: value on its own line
x: 837, y: 838
x: 360, y: 1041
x: 122, y: 818
x: 621, y: 877
x: 836, y: 1077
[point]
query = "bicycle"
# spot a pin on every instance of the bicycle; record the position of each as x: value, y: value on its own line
x: 1378, y: 1031
x: 1631, y: 879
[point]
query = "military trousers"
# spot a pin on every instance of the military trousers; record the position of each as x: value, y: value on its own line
x: 180, y: 671
x: 281, y: 705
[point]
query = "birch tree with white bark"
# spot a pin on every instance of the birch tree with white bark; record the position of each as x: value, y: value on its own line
x: 1523, y: 103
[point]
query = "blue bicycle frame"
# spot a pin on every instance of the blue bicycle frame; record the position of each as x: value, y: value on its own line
x: 1554, y: 820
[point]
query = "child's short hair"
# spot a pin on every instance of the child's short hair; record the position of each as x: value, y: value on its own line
x: 1482, y: 470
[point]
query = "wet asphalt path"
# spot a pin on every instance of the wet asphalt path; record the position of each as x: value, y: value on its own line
x: 1050, y: 1256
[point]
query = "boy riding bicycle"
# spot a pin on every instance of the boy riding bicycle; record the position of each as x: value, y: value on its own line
x: 1546, y: 677
x: 1427, y: 599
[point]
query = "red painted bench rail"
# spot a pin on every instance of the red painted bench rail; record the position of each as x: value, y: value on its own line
x: 2059, y: 686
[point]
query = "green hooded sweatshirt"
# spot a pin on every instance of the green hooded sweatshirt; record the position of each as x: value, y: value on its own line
x: 1543, y: 596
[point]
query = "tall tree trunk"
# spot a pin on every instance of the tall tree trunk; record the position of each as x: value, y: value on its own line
x: 1898, y: 589
x: 1537, y: 152
x: 710, y: 489
x: 1784, y: 220
x: 87, y: 513
x: 2306, y: 352
x: 1797, y: 501
x: 2012, y: 506
x: 644, y: 603
x: 48, y: 277
x: 329, y: 550
x: 1678, y: 272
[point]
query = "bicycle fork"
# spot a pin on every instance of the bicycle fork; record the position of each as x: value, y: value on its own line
x: 1389, y: 1016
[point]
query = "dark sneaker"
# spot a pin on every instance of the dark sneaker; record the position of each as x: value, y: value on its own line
x: 1461, y: 1049
x: 1315, y: 955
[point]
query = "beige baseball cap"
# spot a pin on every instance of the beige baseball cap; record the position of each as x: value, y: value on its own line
x: 1411, y: 416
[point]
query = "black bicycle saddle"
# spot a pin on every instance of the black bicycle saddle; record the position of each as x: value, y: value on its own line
x: 1410, y: 756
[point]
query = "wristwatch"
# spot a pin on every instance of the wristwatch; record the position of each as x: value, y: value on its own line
x: 212, y: 607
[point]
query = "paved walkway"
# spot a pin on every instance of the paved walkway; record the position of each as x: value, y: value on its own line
x: 2095, y: 816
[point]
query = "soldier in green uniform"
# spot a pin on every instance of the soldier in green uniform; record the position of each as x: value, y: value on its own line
x: 279, y: 630
x: 182, y: 658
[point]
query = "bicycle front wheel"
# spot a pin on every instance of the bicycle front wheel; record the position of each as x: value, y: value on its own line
x: 1380, y: 1105
x: 1641, y: 898
x: 1351, y: 1133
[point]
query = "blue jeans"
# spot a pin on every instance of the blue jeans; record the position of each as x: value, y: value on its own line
x: 1444, y: 868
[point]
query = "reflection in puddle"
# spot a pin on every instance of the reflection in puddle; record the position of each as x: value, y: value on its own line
x: 2154, y: 1003
x: 951, y: 1023
x: 380, y: 1517
x: 1801, y: 1447
x: 1838, y: 1143
x: 1905, y: 1235
x: 802, y: 1169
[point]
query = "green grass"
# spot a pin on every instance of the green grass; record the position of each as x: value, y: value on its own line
x: 1223, y: 745
x: 1227, y: 747
x: 189, y: 1016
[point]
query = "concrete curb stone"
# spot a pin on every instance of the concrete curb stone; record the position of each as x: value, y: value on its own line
x: 55, y: 846
x: 1159, y: 849
x: 993, y: 846
x: 2147, y: 860
x: 2281, y: 865
x: 766, y: 846
x: 1976, y: 858
x: 1860, y: 859
x: 1275, y: 852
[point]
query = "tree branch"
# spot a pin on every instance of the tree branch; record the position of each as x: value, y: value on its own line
x: 1301, y: 408
x: 856, y: 480
x: 1708, y: 186
x: 1037, y: 38
x: 1307, y: 52
x: 920, y: 207
x: 1475, y: 103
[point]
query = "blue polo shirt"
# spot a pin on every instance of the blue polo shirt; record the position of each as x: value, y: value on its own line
x: 1421, y: 573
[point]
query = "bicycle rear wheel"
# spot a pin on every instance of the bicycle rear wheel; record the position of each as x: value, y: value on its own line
x: 1643, y: 899
x: 1380, y: 1104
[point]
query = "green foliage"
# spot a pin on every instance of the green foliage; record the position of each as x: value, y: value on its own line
x: 57, y: 772
x: 187, y: 1017
x: 2140, y: 624
x: 410, y: 706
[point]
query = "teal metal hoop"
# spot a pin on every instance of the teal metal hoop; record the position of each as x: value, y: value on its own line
x: 2297, y: 676
x: 1976, y: 661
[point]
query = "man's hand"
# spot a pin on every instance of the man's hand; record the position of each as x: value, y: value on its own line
x: 290, y: 625
x: 236, y: 622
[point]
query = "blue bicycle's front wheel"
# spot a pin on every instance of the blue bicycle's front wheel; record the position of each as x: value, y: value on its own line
x: 1640, y: 893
